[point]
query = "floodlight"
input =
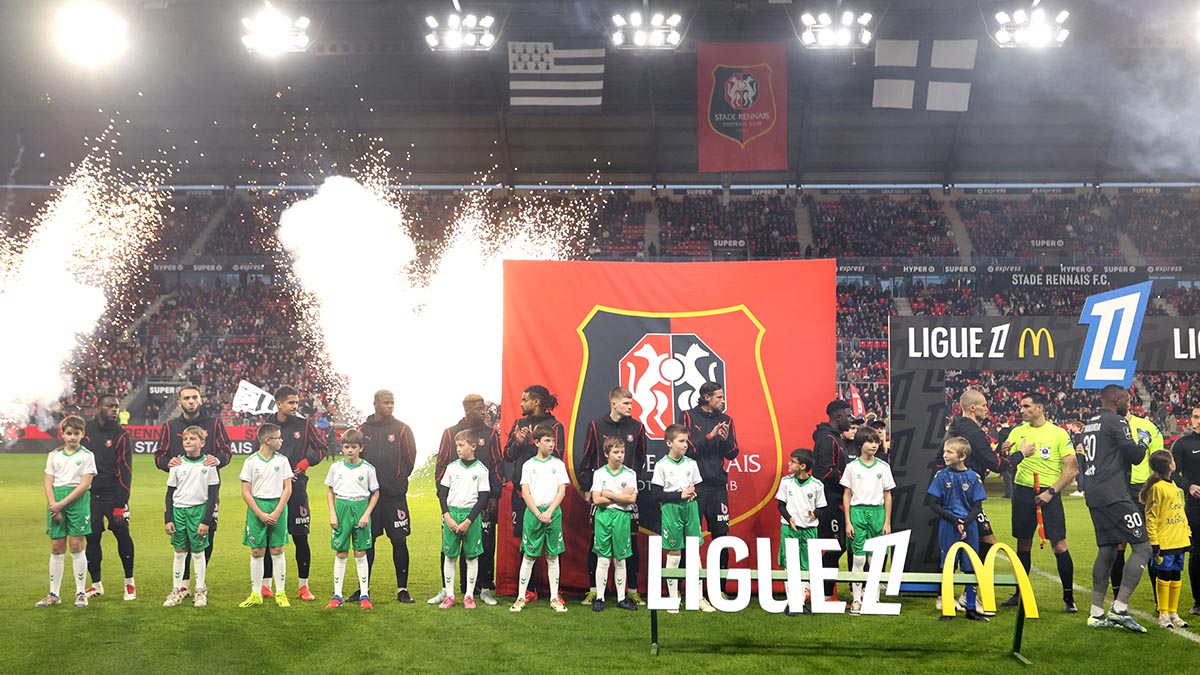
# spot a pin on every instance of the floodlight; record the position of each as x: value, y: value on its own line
x: 1031, y: 28
x: 633, y: 31
x: 851, y: 32
x: 462, y: 32
x: 90, y: 33
x: 271, y: 32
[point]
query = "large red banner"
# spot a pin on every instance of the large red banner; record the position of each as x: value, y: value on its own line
x: 764, y: 330
x: 741, y: 104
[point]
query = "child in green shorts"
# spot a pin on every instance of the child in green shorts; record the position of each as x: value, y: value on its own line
x: 192, y: 493
x: 614, y: 492
x: 463, y: 494
x: 543, y: 485
x: 266, y: 487
x: 69, y: 473
x: 867, y: 502
x: 674, y: 487
x: 799, y: 496
x: 352, y: 496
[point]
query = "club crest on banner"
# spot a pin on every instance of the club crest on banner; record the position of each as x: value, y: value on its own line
x: 664, y: 359
x: 665, y: 371
x: 742, y: 106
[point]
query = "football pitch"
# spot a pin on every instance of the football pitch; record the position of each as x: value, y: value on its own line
x: 112, y: 636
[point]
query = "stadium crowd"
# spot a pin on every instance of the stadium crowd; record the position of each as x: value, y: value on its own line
x: 689, y: 225
x: 1161, y: 226
x: 1061, y: 227
x: 880, y: 227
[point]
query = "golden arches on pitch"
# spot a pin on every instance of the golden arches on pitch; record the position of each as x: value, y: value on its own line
x: 985, y: 573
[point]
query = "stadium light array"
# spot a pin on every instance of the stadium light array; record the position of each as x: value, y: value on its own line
x: 847, y: 31
x: 461, y: 32
x: 271, y: 32
x: 91, y: 34
x: 657, y: 31
x: 1031, y: 28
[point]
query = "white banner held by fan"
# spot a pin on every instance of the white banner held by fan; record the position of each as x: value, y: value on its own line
x: 253, y: 400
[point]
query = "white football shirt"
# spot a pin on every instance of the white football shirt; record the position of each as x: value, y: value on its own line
x: 352, y: 481
x: 70, y: 469
x: 801, y: 499
x: 266, y: 477
x: 543, y: 478
x: 603, y: 479
x: 675, y: 476
x: 191, y: 480
x: 868, y: 483
x: 465, y: 483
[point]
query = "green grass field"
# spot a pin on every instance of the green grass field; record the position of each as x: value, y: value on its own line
x: 142, y: 636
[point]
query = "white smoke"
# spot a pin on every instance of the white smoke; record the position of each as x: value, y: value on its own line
x: 429, y: 342
x: 84, y: 247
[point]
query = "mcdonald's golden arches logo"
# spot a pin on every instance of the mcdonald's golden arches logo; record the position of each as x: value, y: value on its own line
x: 985, y: 574
x: 1036, y: 338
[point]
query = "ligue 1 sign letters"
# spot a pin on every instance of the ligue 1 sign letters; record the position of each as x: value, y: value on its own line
x: 877, y: 548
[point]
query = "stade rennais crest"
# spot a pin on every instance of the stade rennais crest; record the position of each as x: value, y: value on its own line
x: 663, y: 359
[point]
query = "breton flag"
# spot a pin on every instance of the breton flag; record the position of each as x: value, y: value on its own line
x: 929, y: 74
x: 543, y: 77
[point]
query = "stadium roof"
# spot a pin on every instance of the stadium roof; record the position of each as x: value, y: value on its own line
x: 1116, y: 103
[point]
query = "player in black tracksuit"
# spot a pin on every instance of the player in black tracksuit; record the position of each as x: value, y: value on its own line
x: 1186, y: 451
x: 618, y: 423
x: 489, y: 452
x: 712, y: 441
x: 390, y: 447
x: 304, y: 446
x: 536, y: 404
x: 217, y: 450
x: 1109, y: 452
x: 111, y: 445
x: 829, y: 461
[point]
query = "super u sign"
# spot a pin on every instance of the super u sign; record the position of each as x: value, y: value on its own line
x: 665, y: 372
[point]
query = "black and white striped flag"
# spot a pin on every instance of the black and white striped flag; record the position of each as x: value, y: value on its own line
x: 562, y: 78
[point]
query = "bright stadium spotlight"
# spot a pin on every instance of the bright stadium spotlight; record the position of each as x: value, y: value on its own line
x: 1032, y: 28
x: 271, y: 32
x: 850, y: 31
x: 462, y: 32
x: 90, y: 33
x: 633, y: 31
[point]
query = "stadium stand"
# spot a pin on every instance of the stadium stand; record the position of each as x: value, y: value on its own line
x: 1162, y: 226
x: 1007, y: 228
x: 880, y: 226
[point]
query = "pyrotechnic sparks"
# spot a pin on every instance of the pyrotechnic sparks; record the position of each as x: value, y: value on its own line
x: 429, y: 330
x: 86, y: 247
